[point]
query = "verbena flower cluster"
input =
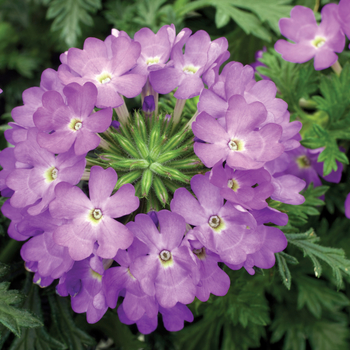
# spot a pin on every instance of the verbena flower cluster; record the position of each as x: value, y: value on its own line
x: 110, y: 238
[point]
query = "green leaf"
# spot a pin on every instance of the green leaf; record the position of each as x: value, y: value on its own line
x: 119, y: 332
x: 298, y: 214
x: 11, y: 316
x: 72, y: 336
x: 68, y: 16
x: 37, y: 338
x: 334, y: 257
x: 221, y: 18
x: 316, y: 296
x: 284, y: 270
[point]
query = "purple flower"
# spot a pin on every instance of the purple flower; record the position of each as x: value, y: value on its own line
x: 303, y: 163
x: 211, y: 279
x: 185, y: 70
x: 73, y: 122
x: 84, y: 283
x: 225, y: 229
x: 272, y: 240
x: 117, y: 279
x: 148, y: 105
x: 91, y: 220
x: 52, y: 260
x: 166, y: 271
x: 241, y: 143
x: 41, y: 173
x: 311, y: 40
x: 107, y: 65
x: 347, y: 206
x: 7, y: 162
x: 236, y: 186
x: 344, y: 16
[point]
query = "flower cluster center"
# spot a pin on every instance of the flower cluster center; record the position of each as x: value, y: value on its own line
x: 233, y: 146
x: 190, y: 69
x: 303, y: 162
x: 165, y: 255
x: 97, y: 214
x: 104, y: 78
x: 152, y: 60
x: 233, y: 184
x: 51, y: 174
x: 318, y: 42
x: 214, y: 221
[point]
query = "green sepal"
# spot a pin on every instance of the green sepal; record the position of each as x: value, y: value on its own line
x: 187, y: 163
x: 175, y: 140
x: 154, y: 136
x: 146, y: 182
x: 128, y: 178
x: 130, y: 164
x: 141, y: 126
x: 170, y: 185
x: 169, y: 172
x: 141, y: 145
x: 127, y: 146
x: 166, y: 157
x: 160, y: 190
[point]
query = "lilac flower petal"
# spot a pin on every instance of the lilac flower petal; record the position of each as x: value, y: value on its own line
x: 190, y: 86
x: 324, y: 59
x: 210, y: 154
x: 208, y: 195
x: 347, y: 206
x: 57, y: 142
x: 297, y: 53
x: 165, y: 80
x: 188, y: 207
x: 173, y: 318
x: 173, y: 228
x: 101, y: 184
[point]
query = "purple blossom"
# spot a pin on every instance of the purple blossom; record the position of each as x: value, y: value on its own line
x: 84, y: 284
x: 91, y: 220
x: 211, y: 279
x: 52, y: 260
x: 166, y: 271
x: 311, y: 40
x: 347, y: 206
x: 7, y: 162
x: 148, y: 105
x: 106, y: 65
x: 225, y: 229
x: 72, y: 123
x: 272, y: 240
x: 236, y: 186
x: 344, y: 16
x: 184, y: 70
x: 241, y: 143
x: 303, y: 163
x: 119, y: 279
x: 41, y: 173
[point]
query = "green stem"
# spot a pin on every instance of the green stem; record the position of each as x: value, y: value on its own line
x: 317, y: 5
x: 337, y: 68
x: 309, y: 104
x: 10, y: 251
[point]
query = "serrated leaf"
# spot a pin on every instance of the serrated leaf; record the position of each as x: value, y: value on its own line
x: 36, y: 338
x: 13, y: 317
x: 72, y: 336
x: 334, y: 257
x: 67, y: 16
x: 119, y: 332
x: 221, y: 18
x: 298, y: 214
x: 284, y: 270
x: 316, y: 296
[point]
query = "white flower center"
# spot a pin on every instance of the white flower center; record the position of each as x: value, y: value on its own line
x: 190, y: 69
x: 319, y: 42
x: 97, y: 214
x: 54, y: 173
x: 214, y: 221
x: 165, y: 255
x: 152, y: 60
x: 233, y: 145
x: 104, y: 78
x: 78, y: 125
